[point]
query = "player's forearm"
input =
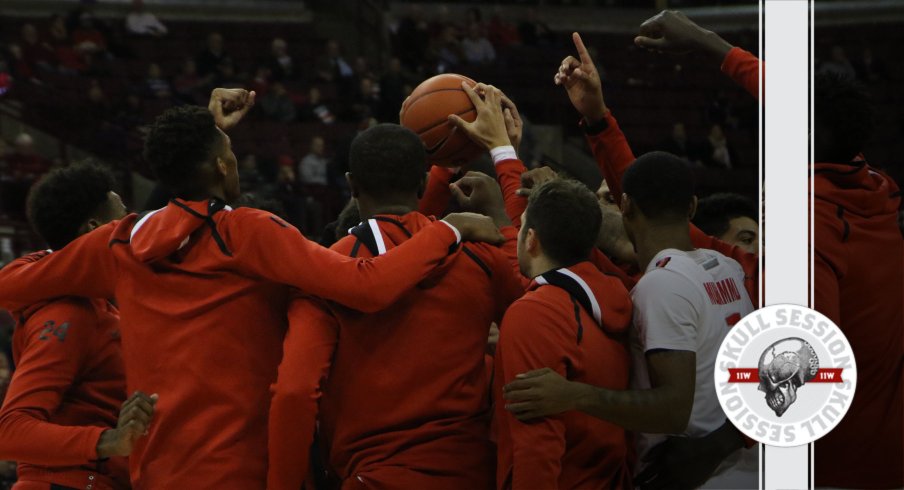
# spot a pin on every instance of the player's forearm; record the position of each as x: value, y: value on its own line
x: 24, y: 438
x: 508, y: 174
x: 655, y: 411
x: 744, y: 69
x: 612, y: 152
x: 437, y: 194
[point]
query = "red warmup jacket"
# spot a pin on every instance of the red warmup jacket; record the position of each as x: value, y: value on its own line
x: 201, y: 292
x: 572, y: 321
x: 859, y: 275
x: 68, y: 387
x: 407, y: 400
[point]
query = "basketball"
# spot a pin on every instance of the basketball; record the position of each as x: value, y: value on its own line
x: 426, y: 113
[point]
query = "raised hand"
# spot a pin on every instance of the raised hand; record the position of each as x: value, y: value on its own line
x: 581, y: 80
x: 534, y: 178
x: 134, y: 420
x: 480, y: 193
x: 229, y: 106
x: 672, y: 32
x: 489, y: 129
x: 475, y: 227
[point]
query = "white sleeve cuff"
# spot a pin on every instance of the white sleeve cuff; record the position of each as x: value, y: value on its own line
x: 501, y: 153
x: 454, y: 229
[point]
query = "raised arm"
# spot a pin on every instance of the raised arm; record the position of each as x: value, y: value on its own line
x: 85, y: 267
x: 307, y: 354
x: 436, y: 195
x: 671, y: 31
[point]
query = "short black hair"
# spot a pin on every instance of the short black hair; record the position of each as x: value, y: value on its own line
x: 63, y: 199
x: 179, y: 142
x: 660, y: 184
x: 715, y: 212
x: 388, y: 159
x: 566, y: 217
x: 843, y: 117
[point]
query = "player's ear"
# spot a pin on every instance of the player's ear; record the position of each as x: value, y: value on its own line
x: 532, y: 242
x: 222, y: 167
x: 692, y: 210
x: 422, y: 187
x: 626, y: 206
x: 351, y: 184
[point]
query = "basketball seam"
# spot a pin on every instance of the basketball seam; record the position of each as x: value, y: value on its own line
x: 428, y: 128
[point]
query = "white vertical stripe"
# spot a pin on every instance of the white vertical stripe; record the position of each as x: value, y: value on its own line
x: 378, y: 236
x: 597, y: 313
x: 142, y: 221
x: 786, y: 173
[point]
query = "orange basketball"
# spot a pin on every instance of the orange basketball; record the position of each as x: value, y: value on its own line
x: 426, y: 112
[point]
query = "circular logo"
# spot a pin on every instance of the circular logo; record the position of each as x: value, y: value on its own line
x: 785, y: 375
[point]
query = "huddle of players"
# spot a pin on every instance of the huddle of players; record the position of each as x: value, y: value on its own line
x: 378, y: 344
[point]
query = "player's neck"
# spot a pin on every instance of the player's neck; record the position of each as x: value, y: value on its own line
x: 655, y: 239
x: 368, y: 206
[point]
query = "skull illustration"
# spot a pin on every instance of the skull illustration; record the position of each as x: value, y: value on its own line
x: 784, y: 367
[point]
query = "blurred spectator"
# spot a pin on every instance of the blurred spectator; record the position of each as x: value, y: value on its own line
x: 533, y: 31
x: 156, y: 86
x: 839, y: 63
x: 313, y: 167
x: 679, y: 144
x: 98, y: 105
x: 869, y: 68
x: 477, y: 48
x: 501, y: 32
x: 132, y: 115
x: 718, y: 152
x: 332, y: 67
x: 226, y: 76
x: 18, y: 170
x: 249, y: 175
x: 88, y: 38
x: 449, y: 53
x: 188, y: 82
x: 68, y: 58
x: 289, y: 195
x: 412, y: 38
x: 143, y: 23
x: 280, y: 63
x: 315, y: 109
x: 37, y: 54
x: 212, y: 57
x: 261, y: 81
x: 392, y: 91
x: 277, y: 104
x: 24, y: 163
x: 367, y: 99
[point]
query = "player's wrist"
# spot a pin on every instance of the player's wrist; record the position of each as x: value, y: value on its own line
x: 503, y: 152
x: 106, y: 443
x: 713, y: 44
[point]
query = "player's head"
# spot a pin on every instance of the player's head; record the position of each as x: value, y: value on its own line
x: 70, y: 201
x: 387, y: 164
x: 731, y: 218
x: 658, y: 190
x: 191, y: 156
x: 559, y: 227
x: 843, y: 117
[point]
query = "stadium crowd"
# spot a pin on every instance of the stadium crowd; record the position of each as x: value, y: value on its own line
x: 565, y: 272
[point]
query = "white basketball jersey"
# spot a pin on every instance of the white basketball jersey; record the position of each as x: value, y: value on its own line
x: 689, y: 301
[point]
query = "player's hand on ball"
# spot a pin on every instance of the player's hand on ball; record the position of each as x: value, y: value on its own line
x: 475, y: 227
x: 539, y: 393
x: 532, y: 179
x: 480, y: 193
x: 229, y: 106
x: 134, y: 420
x: 489, y: 129
x: 672, y: 32
x: 582, y: 82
